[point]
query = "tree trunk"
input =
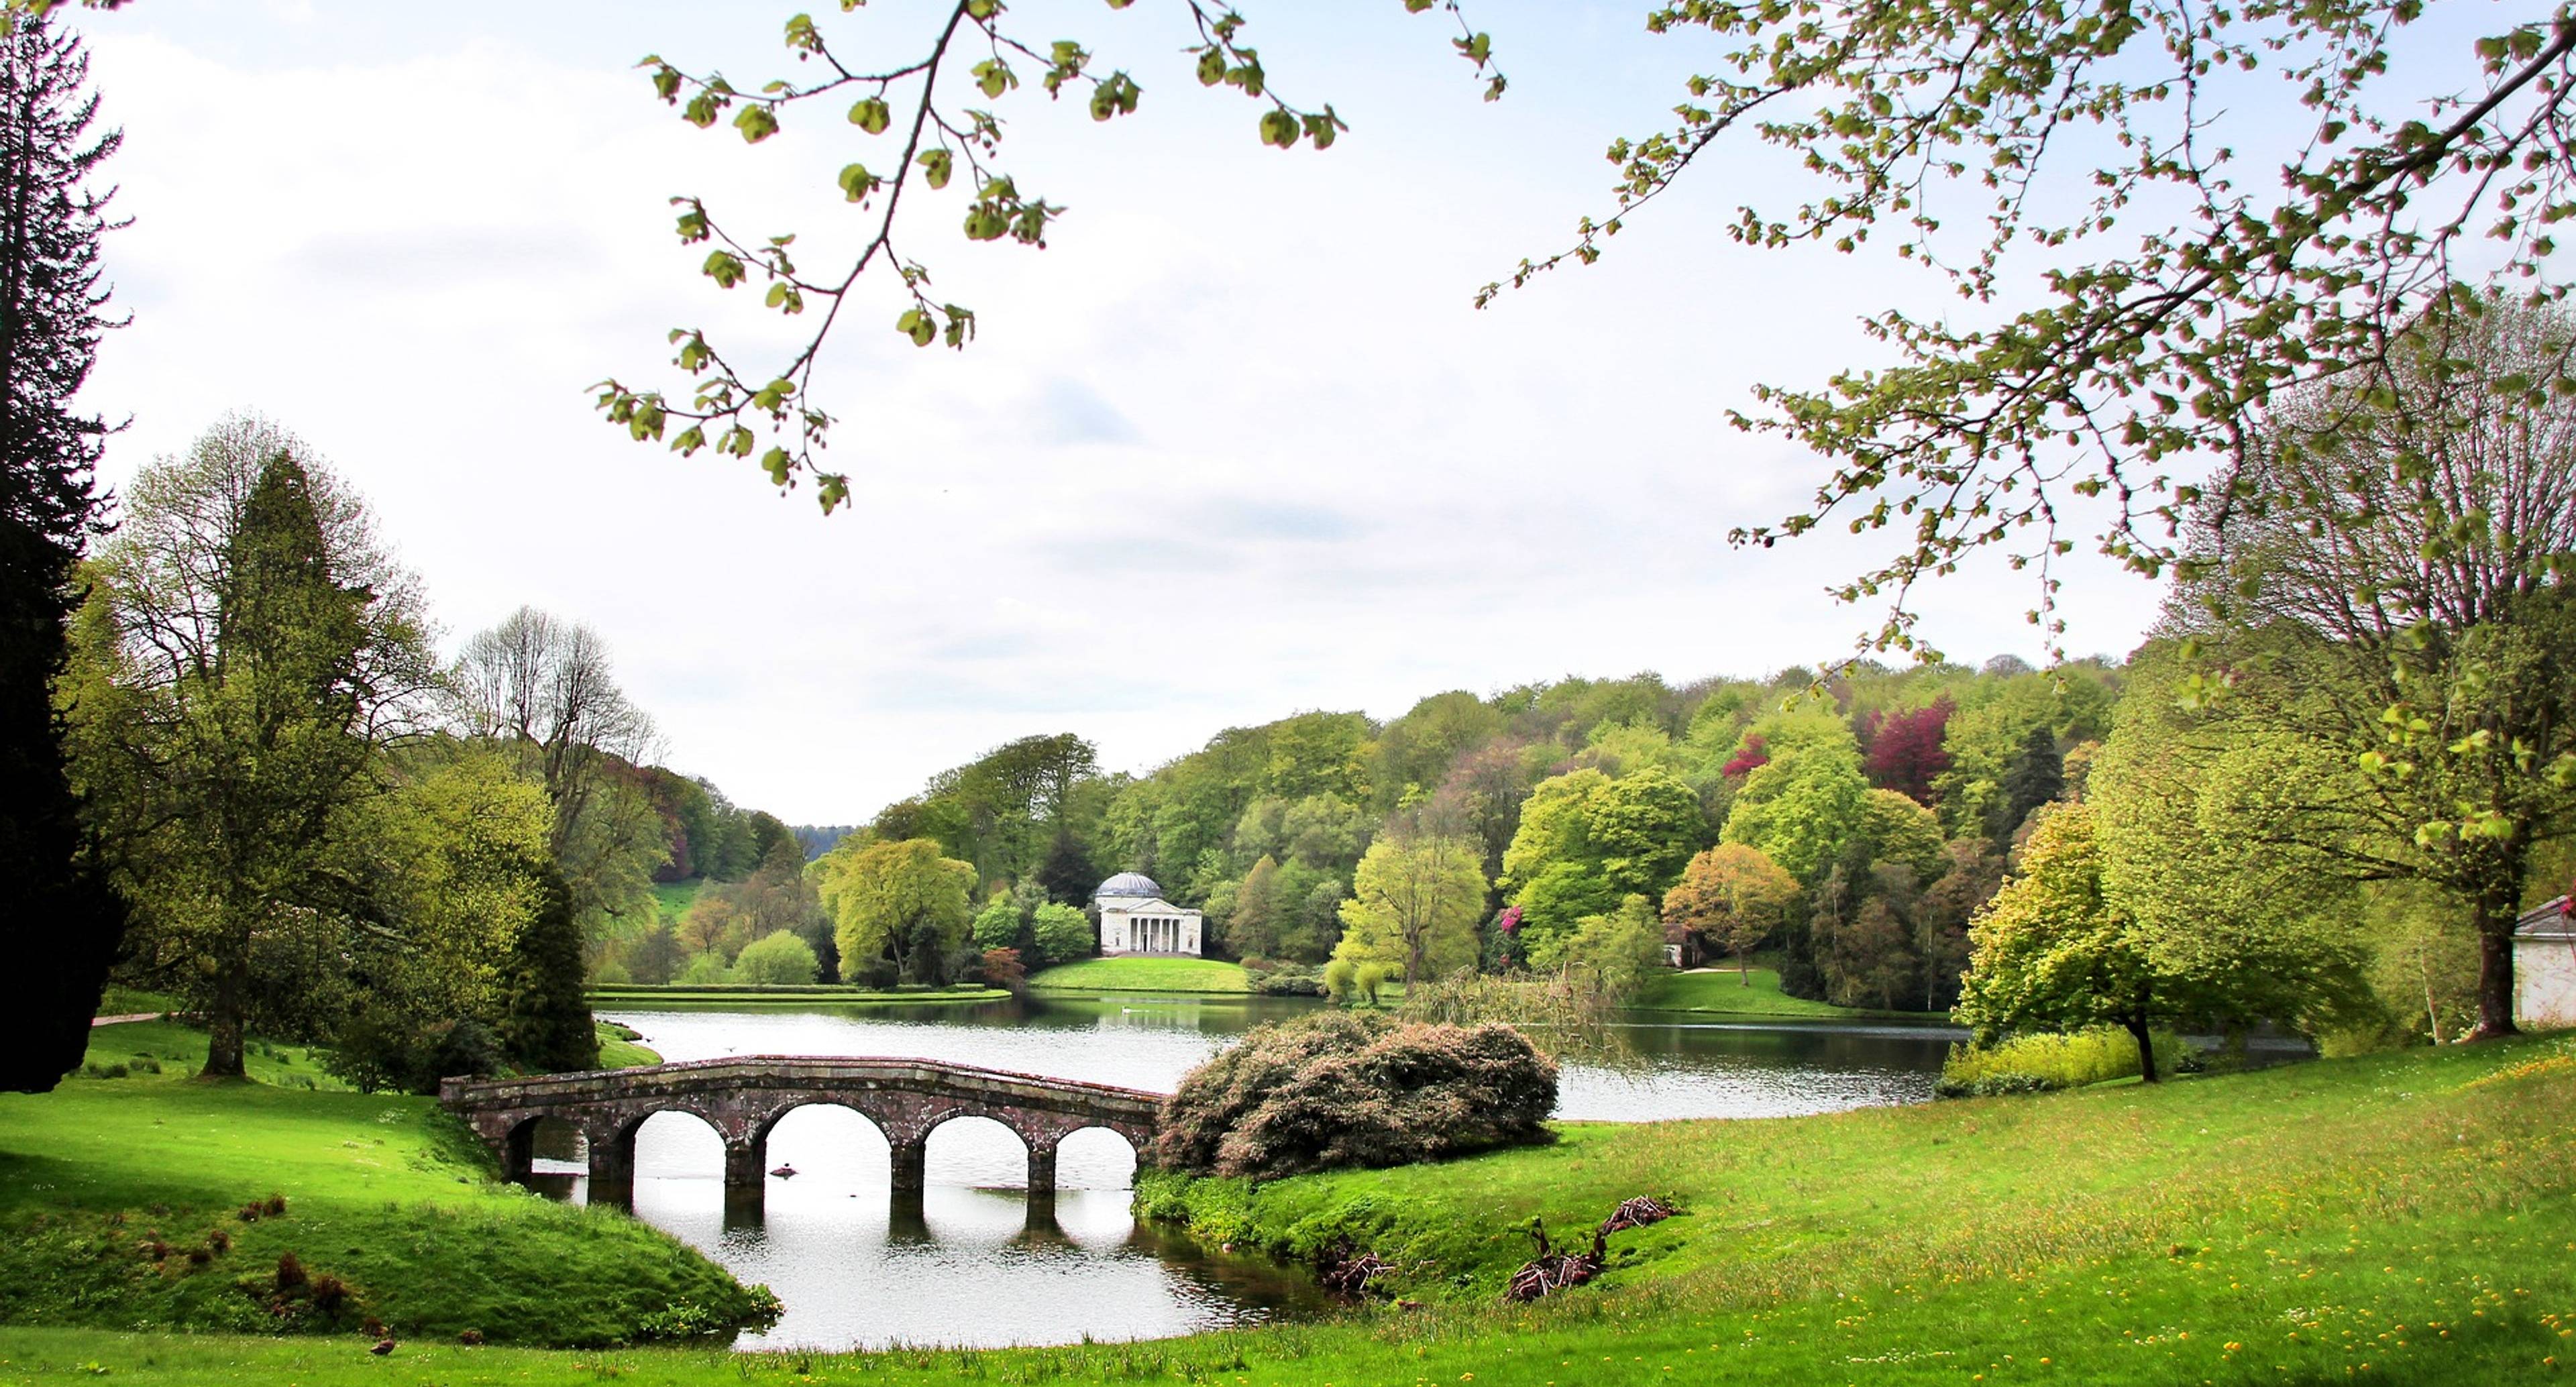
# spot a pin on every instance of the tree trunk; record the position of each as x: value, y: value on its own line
x: 224, y: 1019
x: 2432, y: 1009
x: 2492, y: 915
x: 2146, y: 1050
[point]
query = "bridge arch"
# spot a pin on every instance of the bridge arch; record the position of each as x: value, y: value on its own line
x: 1100, y: 1152
x: 742, y: 1099
x: 960, y: 1124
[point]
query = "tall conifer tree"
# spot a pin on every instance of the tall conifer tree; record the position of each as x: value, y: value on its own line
x: 64, y: 922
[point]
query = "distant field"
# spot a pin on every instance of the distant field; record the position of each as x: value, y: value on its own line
x: 1144, y: 975
x: 1722, y: 991
x: 673, y: 898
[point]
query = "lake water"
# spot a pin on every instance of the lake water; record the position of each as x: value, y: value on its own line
x: 978, y: 1264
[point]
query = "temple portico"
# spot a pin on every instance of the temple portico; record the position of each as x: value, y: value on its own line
x: 1135, y: 919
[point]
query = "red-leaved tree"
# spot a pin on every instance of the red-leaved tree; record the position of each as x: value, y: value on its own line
x: 1905, y: 752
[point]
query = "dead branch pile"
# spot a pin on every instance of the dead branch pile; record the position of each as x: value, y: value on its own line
x: 1553, y: 1270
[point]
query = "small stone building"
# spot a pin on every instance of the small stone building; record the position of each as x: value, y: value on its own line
x: 2544, y: 966
x: 1135, y: 919
x: 1682, y: 947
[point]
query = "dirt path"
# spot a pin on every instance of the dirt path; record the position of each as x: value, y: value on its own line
x: 97, y: 1021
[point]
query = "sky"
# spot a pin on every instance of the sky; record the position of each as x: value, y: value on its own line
x: 1235, y: 445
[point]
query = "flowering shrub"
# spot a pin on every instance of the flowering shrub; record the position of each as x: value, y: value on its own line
x: 1341, y: 1089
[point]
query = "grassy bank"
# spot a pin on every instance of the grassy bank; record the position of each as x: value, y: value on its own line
x: 128, y: 1202
x: 743, y: 996
x: 1757, y: 993
x: 2402, y: 1219
x: 1144, y: 975
x: 619, y: 1048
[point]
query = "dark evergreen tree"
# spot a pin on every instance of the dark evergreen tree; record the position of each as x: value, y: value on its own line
x: 2036, y: 776
x: 1068, y: 873
x: 548, y: 1027
x: 64, y: 922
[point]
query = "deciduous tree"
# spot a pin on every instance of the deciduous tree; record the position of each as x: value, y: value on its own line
x: 250, y: 650
x: 894, y: 900
x: 1415, y: 902
x: 1734, y: 897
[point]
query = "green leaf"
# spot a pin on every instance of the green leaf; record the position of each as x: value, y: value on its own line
x: 936, y: 166
x: 857, y: 182
x: 872, y: 114
x: 756, y: 123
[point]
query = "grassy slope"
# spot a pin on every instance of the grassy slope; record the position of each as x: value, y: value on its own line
x: 382, y: 1191
x: 672, y: 899
x: 618, y: 1049
x: 2414, y: 1213
x: 1725, y: 992
x: 1144, y: 975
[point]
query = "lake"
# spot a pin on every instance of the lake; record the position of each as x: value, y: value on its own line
x: 978, y: 1264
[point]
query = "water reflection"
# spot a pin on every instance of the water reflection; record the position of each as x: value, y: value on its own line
x: 1663, y: 1069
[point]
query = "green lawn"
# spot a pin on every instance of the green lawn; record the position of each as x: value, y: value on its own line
x: 2405, y: 1219
x: 1724, y: 991
x: 672, y: 899
x: 618, y: 1048
x: 612, y: 996
x: 383, y: 1192
x: 1144, y: 975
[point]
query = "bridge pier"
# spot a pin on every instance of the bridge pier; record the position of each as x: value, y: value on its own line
x: 1041, y: 1171
x: 744, y: 1168
x: 519, y: 1153
x: 612, y: 1163
x: 911, y: 1168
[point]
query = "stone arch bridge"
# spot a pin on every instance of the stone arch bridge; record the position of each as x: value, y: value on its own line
x: 743, y: 1098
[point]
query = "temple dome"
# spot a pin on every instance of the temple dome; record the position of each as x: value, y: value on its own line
x: 1134, y: 885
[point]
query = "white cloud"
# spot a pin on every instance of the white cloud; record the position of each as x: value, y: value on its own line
x: 1234, y: 445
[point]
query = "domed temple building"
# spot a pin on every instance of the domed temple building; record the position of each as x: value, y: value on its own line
x: 1135, y: 919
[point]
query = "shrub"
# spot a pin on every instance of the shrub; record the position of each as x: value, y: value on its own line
x: 875, y: 975
x: 1368, y: 977
x: 705, y: 968
x: 778, y: 959
x: 612, y: 973
x: 1287, y: 980
x: 375, y: 1050
x: 2046, y: 1060
x: 1342, y: 1090
x: 1061, y: 934
x: 1338, y: 976
x: 1002, y: 968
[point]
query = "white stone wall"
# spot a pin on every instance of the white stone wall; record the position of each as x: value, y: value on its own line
x: 2544, y: 980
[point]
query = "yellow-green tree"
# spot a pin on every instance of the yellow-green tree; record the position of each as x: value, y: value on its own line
x: 1621, y: 948
x: 1414, y: 904
x: 2052, y: 954
x: 899, y: 900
